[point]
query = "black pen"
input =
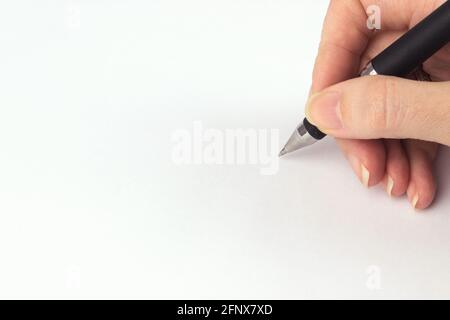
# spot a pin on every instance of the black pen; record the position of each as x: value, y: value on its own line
x: 400, y: 59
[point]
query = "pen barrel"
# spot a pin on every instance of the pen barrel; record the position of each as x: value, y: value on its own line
x: 416, y: 46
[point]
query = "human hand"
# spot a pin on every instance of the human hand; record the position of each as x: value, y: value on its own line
x: 388, y: 128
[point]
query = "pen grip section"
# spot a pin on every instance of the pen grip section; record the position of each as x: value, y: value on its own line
x: 313, y: 130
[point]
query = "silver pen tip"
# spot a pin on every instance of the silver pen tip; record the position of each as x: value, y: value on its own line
x: 283, y: 152
x: 298, y: 140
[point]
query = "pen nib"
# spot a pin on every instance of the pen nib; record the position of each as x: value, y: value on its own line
x: 298, y: 140
x: 282, y: 152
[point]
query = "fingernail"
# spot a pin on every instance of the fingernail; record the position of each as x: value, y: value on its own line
x: 365, y: 174
x: 413, y: 195
x: 390, y: 186
x: 415, y: 200
x: 323, y: 110
x: 362, y: 172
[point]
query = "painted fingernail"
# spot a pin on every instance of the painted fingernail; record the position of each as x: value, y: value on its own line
x: 415, y: 200
x: 362, y: 172
x: 365, y: 176
x: 390, y: 186
x: 323, y: 110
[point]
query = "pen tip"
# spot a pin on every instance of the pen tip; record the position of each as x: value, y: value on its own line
x: 282, y: 152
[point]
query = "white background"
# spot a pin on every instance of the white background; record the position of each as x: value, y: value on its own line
x: 92, y: 205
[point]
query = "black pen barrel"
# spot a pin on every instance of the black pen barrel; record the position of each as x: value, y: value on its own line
x: 416, y: 46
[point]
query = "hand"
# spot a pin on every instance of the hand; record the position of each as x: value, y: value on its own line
x: 369, y: 115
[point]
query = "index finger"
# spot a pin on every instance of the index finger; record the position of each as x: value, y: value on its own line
x: 345, y: 37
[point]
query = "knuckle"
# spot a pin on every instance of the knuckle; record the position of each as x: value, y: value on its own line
x: 386, y: 111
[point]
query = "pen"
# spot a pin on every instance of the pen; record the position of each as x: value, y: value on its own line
x: 399, y: 59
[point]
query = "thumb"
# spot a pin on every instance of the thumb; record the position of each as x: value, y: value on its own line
x: 383, y: 107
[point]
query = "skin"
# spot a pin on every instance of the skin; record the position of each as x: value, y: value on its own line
x: 394, y: 150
